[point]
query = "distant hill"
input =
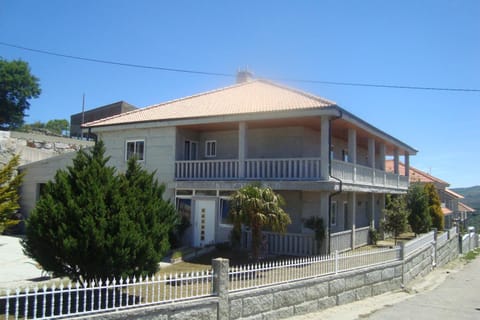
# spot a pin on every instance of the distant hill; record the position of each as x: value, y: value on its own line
x: 472, y: 196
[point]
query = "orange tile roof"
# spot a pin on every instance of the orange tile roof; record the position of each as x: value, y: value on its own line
x: 244, y: 98
x: 454, y: 194
x: 463, y: 207
x: 446, y: 211
x: 415, y: 174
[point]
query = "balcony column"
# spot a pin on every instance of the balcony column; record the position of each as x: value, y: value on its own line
x: 325, y: 148
x: 352, y: 146
x: 371, y: 153
x: 352, y: 150
x: 407, y: 164
x: 395, y: 161
x: 382, y: 215
x: 371, y: 157
x: 242, y: 148
x: 352, y: 215
x: 382, y: 152
x: 372, y: 210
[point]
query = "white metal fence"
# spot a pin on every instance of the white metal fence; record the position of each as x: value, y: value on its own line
x: 64, y: 301
x: 270, y: 273
x: 419, y: 243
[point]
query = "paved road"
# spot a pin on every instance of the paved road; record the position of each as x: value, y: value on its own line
x: 16, y: 269
x: 456, y: 298
x: 450, y: 292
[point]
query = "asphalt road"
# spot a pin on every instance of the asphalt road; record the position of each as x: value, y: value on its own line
x: 450, y: 292
x: 458, y: 297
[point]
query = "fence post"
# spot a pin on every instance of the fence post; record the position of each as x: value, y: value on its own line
x: 220, y: 287
x: 434, y: 247
x: 460, y: 243
x: 402, y: 258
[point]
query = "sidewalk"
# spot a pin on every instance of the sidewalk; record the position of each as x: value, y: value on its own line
x: 364, y: 309
x: 17, y: 270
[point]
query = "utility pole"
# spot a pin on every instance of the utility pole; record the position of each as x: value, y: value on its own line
x: 83, y: 114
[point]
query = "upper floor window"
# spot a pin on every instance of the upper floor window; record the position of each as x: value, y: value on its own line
x: 210, y: 148
x: 135, y: 148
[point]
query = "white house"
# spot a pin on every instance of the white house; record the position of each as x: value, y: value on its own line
x: 322, y: 159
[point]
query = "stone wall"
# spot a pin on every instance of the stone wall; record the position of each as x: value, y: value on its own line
x: 315, y: 294
x: 35, y: 147
x: 299, y: 297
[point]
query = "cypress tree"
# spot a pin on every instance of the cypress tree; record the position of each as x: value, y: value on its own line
x: 10, y: 181
x: 92, y: 223
x: 434, y: 206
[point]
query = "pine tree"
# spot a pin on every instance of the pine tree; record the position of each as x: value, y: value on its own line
x: 92, y: 223
x: 434, y: 206
x: 419, y: 218
x: 10, y: 181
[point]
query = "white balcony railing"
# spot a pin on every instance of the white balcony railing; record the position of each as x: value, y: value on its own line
x: 358, y: 174
x: 283, y: 169
x: 293, y: 244
x: 302, y: 169
x: 254, y: 169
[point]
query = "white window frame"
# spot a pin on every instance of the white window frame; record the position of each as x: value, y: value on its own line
x: 134, y: 141
x: 333, y: 213
x: 210, y: 148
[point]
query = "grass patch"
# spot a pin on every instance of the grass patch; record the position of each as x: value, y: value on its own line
x: 471, y: 255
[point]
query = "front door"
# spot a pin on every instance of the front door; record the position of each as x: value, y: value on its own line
x: 204, y: 229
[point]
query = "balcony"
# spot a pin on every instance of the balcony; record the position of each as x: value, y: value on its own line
x: 286, y: 169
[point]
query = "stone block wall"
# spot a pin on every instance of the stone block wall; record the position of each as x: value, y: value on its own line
x: 299, y: 297
x: 448, y: 252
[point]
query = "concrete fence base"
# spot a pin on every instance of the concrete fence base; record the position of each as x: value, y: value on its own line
x: 299, y: 297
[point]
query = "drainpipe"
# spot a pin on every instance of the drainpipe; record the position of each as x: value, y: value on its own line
x: 330, y: 196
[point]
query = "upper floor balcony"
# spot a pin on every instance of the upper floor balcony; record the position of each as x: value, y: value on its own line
x: 293, y: 150
x: 285, y: 169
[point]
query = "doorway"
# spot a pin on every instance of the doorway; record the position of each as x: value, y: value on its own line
x: 204, y: 223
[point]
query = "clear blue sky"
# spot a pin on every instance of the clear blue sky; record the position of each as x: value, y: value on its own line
x: 414, y: 43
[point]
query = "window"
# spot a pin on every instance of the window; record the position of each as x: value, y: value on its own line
x: 40, y: 190
x: 190, y: 150
x: 224, y: 209
x: 184, y: 208
x: 333, y: 213
x: 210, y: 148
x: 135, y: 148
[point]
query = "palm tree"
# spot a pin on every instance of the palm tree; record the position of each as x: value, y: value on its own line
x: 258, y: 207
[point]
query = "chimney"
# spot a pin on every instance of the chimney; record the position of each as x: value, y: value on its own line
x: 244, y: 76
